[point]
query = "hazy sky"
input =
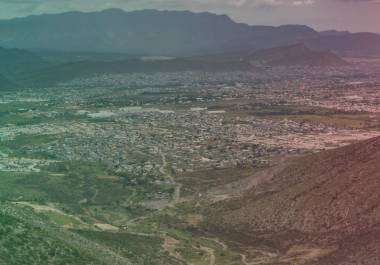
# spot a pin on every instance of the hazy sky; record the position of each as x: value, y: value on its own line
x: 353, y: 15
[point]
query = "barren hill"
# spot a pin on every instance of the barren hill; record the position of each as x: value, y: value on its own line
x: 329, y: 200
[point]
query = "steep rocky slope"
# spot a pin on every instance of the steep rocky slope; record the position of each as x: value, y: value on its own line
x: 329, y: 200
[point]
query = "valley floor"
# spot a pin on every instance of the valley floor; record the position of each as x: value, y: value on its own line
x: 132, y: 164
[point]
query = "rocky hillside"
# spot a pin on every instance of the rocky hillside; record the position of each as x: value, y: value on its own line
x: 328, y: 200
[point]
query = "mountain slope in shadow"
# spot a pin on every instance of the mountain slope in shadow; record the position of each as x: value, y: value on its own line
x: 296, y: 55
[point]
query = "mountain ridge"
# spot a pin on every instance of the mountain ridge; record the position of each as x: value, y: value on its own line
x: 153, y: 32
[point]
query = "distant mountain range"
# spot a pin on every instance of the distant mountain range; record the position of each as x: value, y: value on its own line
x: 174, y: 33
x: 330, y: 199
